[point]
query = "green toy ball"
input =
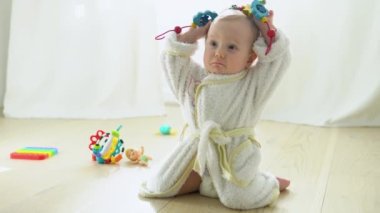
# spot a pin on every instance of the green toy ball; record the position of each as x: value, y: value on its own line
x: 165, y: 129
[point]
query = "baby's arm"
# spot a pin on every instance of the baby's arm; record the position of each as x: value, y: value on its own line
x: 179, y: 69
x: 270, y: 66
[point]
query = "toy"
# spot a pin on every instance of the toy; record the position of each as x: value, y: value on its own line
x: 137, y: 157
x: 34, y: 153
x: 200, y: 20
x: 258, y: 9
x: 261, y: 13
x: 107, y: 148
x: 244, y: 9
x: 166, y: 129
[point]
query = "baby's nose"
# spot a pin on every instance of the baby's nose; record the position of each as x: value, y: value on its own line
x: 219, y: 53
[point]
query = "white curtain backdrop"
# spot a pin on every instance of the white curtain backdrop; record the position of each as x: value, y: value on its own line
x: 96, y: 58
x: 5, y: 11
x: 334, y: 77
x: 83, y: 59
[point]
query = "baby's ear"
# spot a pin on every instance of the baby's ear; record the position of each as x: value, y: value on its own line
x: 251, y: 59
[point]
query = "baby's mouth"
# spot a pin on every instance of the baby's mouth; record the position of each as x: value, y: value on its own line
x: 217, y: 64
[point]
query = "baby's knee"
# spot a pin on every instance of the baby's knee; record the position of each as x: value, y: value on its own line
x: 207, y: 187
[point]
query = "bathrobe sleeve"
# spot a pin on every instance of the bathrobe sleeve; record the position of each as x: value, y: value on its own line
x: 178, y: 66
x: 269, y: 69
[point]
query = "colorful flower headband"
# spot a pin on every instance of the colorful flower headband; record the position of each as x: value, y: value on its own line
x: 256, y: 8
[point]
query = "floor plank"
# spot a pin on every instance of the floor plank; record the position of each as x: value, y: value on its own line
x: 354, y: 178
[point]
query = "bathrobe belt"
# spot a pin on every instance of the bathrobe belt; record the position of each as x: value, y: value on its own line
x: 211, y: 135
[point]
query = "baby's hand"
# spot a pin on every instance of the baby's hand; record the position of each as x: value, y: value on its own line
x: 263, y: 27
x: 192, y: 35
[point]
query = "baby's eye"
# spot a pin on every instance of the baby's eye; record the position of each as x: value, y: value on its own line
x: 213, y: 43
x: 232, y: 47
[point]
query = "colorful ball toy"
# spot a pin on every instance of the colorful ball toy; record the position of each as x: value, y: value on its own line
x: 107, y: 148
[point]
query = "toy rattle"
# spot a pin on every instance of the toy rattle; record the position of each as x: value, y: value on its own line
x: 200, y: 20
x: 137, y: 156
x: 261, y: 13
x: 107, y: 148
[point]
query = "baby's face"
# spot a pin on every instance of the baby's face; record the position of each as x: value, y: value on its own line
x: 228, y: 48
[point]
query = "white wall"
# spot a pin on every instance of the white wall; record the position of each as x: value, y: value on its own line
x: 5, y: 12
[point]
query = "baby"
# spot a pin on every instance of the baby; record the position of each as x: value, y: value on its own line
x: 222, y: 102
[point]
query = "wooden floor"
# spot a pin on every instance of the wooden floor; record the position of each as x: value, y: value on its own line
x: 332, y: 169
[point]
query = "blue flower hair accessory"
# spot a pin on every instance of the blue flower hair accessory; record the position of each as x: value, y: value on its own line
x: 201, y: 19
x: 258, y: 9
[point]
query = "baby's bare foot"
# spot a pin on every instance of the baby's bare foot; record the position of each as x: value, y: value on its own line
x: 284, y: 183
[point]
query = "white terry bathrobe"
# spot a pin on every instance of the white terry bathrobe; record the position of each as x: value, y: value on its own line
x: 221, y: 112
